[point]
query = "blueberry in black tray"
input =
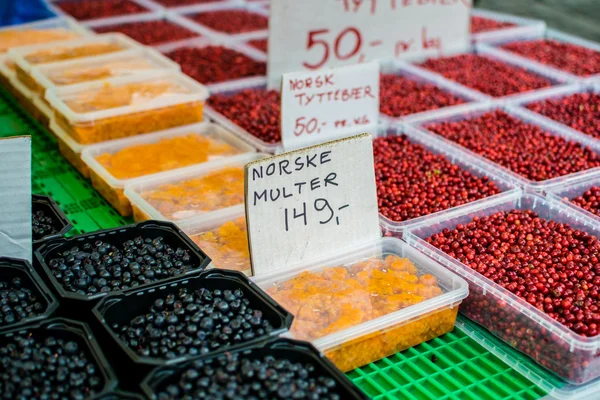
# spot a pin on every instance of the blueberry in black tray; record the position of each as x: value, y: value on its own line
x: 23, y: 296
x: 47, y: 220
x: 279, y: 369
x: 89, y: 266
x: 190, y: 317
x: 56, y: 359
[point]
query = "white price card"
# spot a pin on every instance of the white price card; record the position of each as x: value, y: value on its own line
x: 15, y: 197
x: 315, y: 34
x: 320, y: 106
x: 311, y: 202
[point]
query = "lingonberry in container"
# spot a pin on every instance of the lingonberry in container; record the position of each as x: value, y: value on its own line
x: 48, y: 220
x: 23, y: 296
x: 180, y: 3
x: 208, y: 63
x: 212, y: 311
x: 250, y: 111
x: 582, y: 195
x: 488, y: 26
x: 531, y: 267
x: 303, y: 373
x: 232, y: 21
x: 418, y: 178
x: 192, y: 194
x: 260, y: 44
x: 533, y: 154
x: 57, y: 356
x: 94, y: 9
x: 482, y: 24
x: 150, y: 32
x: 113, y: 164
x: 28, y: 57
x: 490, y: 74
x: 127, y: 106
x: 360, y: 307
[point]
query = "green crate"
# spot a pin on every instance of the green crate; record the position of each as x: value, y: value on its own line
x: 452, y: 366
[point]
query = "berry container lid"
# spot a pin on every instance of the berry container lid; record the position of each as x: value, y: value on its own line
x: 116, y: 236
x: 475, y: 110
x: 569, y: 355
x: 60, y: 221
x: 292, y: 350
x: 564, y: 193
x: 72, y: 72
x: 493, y: 47
x: 522, y: 26
x: 135, y: 188
x: 472, y: 165
x: 61, y: 22
x: 360, y: 343
x: 122, y: 308
x: 189, y: 91
x: 11, y: 268
x: 230, y: 88
x: 71, y: 330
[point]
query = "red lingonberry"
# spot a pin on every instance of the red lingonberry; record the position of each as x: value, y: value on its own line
x: 232, y: 21
x: 480, y: 24
x: 589, y: 200
x: 150, y: 32
x: 581, y: 111
x: 258, y: 111
x: 523, y: 148
x: 486, y: 75
x: 412, y: 181
x: 578, y: 60
x: 260, y: 44
x: 91, y: 9
x: 400, y: 96
x: 179, y: 3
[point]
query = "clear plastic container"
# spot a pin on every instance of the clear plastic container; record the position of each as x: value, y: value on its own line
x: 435, y: 146
x: 564, y: 193
x: 163, y: 151
x: 473, y: 111
x: 522, y: 26
x: 231, y: 88
x: 357, y: 308
x: 192, y: 194
x: 44, y: 31
x: 551, y: 344
x: 69, y: 148
x: 127, y: 106
x: 493, y: 47
x: 26, y: 58
x: 97, y: 68
x: 224, y: 239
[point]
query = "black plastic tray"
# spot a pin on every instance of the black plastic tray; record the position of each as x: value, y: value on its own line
x: 78, y: 306
x: 50, y: 208
x: 11, y: 268
x: 294, y: 350
x: 124, y: 307
x: 118, y: 395
x: 76, y: 331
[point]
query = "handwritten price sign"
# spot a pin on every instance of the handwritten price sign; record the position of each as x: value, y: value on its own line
x: 325, y: 105
x: 313, y: 34
x: 311, y: 202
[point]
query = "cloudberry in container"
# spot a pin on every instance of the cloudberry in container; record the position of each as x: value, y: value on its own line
x: 521, y: 147
x: 232, y: 21
x: 151, y: 32
x: 213, y: 64
x: 413, y: 182
x: 577, y: 60
x: 489, y: 76
x: 92, y: 9
x: 580, y: 111
x: 481, y: 24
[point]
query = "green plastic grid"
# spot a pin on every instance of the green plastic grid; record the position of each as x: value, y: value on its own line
x: 452, y: 366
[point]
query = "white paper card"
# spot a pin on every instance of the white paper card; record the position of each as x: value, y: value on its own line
x: 320, y: 106
x: 15, y: 197
x: 311, y: 202
x: 315, y: 34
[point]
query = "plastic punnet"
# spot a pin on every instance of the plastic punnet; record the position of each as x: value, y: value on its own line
x: 473, y: 111
x: 365, y: 341
x: 112, y: 188
x: 60, y: 222
x: 567, y: 354
x: 127, y: 106
x: 69, y: 148
x: 564, y: 193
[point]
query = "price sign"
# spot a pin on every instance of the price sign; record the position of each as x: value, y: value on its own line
x: 15, y: 197
x: 311, y: 202
x: 314, y: 34
x: 319, y: 106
